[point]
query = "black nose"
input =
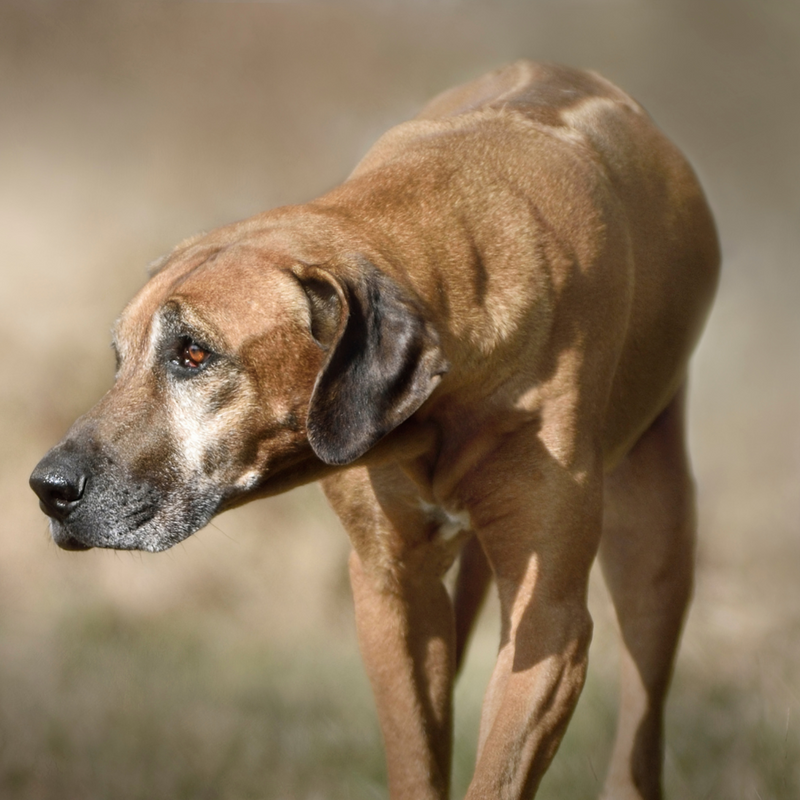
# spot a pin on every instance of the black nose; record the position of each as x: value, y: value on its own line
x: 59, y: 480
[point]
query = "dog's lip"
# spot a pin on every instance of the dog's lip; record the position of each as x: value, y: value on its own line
x: 72, y: 544
x: 65, y: 540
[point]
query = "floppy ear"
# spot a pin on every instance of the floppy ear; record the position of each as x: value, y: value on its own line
x: 383, y: 361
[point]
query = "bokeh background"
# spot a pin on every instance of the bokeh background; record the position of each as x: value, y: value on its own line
x: 227, y: 667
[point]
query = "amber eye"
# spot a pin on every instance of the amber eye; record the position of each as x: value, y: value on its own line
x: 192, y: 355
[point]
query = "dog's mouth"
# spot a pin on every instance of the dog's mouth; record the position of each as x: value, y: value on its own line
x: 110, y: 535
x: 64, y: 539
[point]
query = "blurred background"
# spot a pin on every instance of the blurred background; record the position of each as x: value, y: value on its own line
x: 227, y: 667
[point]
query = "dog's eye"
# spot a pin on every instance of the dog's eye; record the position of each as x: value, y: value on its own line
x: 191, y: 355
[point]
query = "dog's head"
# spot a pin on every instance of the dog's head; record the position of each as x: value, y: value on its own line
x: 240, y: 373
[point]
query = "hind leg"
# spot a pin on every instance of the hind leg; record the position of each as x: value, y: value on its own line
x: 647, y: 554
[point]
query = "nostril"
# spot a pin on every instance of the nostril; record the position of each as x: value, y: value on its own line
x: 64, y: 490
x: 59, y: 487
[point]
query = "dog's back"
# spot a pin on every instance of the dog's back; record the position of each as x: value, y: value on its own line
x: 539, y: 91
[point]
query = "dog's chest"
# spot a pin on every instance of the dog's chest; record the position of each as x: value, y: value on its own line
x: 450, y: 524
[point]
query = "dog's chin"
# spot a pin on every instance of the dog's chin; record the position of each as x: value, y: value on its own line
x: 150, y: 541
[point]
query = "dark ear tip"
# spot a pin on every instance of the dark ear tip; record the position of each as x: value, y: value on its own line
x: 336, y: 444
x: 330, y: 455
x: 339, y: 444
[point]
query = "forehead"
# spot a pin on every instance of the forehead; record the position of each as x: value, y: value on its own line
x: 232, y: 292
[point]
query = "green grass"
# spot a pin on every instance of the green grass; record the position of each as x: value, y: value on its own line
x: 108, y: 706
x: 135, y: 710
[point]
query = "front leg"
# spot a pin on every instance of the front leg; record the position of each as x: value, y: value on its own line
x: 539, y: 520
x: 405, y: 624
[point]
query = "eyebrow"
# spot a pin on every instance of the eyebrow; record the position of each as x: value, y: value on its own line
x: 180, y: 319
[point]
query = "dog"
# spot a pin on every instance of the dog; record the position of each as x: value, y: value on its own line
x: 479, y: 344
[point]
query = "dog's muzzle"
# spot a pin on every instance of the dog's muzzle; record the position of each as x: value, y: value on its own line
x: 95, y: 499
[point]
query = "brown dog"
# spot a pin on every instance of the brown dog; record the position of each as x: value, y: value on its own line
x: 479, y: 342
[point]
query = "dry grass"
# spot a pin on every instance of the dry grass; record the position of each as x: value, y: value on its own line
x: 227, y: 668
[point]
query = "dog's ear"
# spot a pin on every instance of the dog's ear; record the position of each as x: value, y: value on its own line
x: 383, y: 359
